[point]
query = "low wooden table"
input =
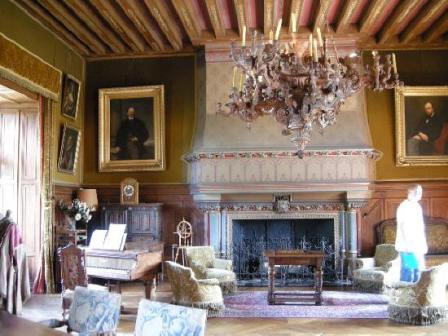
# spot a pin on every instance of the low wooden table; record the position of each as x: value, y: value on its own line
x: 295, y: 257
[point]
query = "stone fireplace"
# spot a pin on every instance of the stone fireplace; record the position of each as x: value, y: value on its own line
x: 235, y: 173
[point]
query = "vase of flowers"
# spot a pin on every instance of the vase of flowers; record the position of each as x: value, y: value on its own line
x: 77, y: 212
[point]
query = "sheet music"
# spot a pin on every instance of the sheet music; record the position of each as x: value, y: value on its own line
x: 97, y: 239
x: 114, y: 237
x: 125, y: 236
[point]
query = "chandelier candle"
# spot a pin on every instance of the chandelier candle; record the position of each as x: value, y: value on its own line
x: 300, y: 91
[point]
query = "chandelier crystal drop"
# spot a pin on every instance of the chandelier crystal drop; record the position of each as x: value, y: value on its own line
x: 300, y: 90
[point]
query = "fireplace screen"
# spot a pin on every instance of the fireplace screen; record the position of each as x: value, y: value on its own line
x: 252, y: 237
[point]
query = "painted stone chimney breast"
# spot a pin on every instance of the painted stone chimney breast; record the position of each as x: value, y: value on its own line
x: 228, y: 156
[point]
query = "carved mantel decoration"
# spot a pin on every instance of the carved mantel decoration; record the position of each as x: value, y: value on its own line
x: 282, y: 203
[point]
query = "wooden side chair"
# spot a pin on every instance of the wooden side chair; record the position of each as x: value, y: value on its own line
x: 73, y: 274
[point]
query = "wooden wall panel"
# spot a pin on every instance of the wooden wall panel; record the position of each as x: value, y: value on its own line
x: 177, y: 203
x: 385, y: 199
x: 439, y: 207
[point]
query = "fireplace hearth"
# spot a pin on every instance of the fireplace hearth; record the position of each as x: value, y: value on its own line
x: 251, y: 238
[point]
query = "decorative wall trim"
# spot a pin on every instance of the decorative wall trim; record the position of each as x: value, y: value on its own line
x: 311, y: 205
x: 197, y: 156
x: 28, y: 70
x: 219, y: 170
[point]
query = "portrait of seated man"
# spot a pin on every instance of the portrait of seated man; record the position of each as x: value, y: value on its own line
x: 132, y: 136
x: 428, y: 130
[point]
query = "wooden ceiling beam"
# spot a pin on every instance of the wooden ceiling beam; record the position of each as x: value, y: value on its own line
x: 166, y: 22
x: 322, y: 14
x: 399, y: 15
x: 439, y: 28
x: 423, y: 20
x: 240, y: 15
x: 85, y: 13
x: 186, y: 14
x: 268, y: 17
x: 349, y: 8
x: 37, y: 12
x: 374, y: 11
x: 215, y: 18
x: 117, y: 20
x: 145, y: 24
x: 73, y: 24
x: 296, y: 10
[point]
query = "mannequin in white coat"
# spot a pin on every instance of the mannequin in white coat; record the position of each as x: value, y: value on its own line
x: 411, y: 238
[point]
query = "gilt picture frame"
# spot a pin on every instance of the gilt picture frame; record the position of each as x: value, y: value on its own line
x: 68, y: 154
x: 421, y: 125
x: 132, y: 129
x: 71, y: 89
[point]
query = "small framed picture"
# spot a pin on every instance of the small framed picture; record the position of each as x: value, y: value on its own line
x: 70, y: 97
x: 421, y: 123
x: 68, y: 154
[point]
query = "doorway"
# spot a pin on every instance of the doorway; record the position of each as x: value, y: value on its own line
x: 20, y: 168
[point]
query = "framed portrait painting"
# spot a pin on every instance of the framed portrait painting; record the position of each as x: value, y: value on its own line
x: 421, y: 123
x: 132, y: 129
x: 68, y: 154
x: 70, y: 97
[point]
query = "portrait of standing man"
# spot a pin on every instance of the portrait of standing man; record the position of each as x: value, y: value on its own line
x: 131, y: 122
x: 132, y: 136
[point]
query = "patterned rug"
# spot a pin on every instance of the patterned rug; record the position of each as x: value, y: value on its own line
x: 343, y: 305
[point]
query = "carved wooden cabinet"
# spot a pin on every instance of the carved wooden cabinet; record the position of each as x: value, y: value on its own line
x: 143, y: 220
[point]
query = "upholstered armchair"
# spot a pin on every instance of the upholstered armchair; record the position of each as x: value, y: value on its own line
x: 191, y: 292
x: 379, y: 272
x: 159, y: 319
x: 94, y: 312
x: 423, y: 302
x: 205, y: 266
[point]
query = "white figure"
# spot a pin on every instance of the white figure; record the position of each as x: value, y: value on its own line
x: 411, y: 238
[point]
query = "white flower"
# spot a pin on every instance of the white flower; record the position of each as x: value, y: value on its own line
x: 77, y: 217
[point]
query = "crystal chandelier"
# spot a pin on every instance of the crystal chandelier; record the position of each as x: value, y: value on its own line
x: 299, y: 90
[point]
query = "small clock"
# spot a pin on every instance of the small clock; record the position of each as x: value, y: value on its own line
x: 129, y: 191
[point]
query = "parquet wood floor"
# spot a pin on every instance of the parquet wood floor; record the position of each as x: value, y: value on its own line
x: 46, y: 306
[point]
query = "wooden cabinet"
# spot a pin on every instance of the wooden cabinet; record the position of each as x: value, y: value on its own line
x: 143, y: 220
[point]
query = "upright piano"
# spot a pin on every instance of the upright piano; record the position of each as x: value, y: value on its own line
x: 142, y: 258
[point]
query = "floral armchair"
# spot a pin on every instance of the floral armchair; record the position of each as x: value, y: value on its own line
x: 205, y: 266
x: 94, y: 312
x: 423, y: 302
x: 159, y: 319
x: 189, y: 291
x: 377, y: 273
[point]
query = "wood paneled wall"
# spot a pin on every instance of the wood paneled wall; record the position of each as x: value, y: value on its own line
x: 385, y: 199
x: 177, y: 203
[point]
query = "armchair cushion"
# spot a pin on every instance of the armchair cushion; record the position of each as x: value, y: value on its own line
x: 364, y: 263
x: 224, y: 264
x: 220, y: 274
x: 157, y: 318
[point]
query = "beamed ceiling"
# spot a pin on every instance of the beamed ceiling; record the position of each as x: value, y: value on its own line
x: 111, y: 28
